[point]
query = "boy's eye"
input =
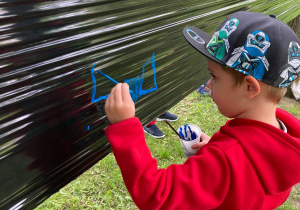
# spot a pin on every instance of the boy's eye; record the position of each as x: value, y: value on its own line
x: 212, y: 76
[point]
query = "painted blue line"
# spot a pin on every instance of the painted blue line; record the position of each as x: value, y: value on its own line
x: 108, y: 77
x: 186, y: 136
x: 94, y: 82
x: 154, y: 71
x: 93, y: 100
x: 180, y: 132
x: 193, y: 134
x: 144, y: 92
x: 135, y: 84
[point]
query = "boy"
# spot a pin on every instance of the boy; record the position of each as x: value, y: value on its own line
x: 253, y: 161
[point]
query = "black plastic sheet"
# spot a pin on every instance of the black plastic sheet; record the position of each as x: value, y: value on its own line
x: 51, y: 130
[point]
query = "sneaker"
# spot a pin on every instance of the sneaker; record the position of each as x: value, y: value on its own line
x: 167, y: 116
x: 154, y: 131
x: 204, y: 90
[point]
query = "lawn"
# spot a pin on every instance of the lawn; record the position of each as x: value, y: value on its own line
x: 101, y: 187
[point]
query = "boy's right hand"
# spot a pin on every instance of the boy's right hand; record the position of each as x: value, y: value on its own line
x: 204, y: 140
x: 119, y: 105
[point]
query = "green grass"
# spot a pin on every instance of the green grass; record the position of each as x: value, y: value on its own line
x: 102, y: 187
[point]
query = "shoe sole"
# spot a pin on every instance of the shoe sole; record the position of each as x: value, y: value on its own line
x: 159, y: 120
x: 157, y: 137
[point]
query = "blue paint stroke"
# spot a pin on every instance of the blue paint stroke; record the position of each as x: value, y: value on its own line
x: 135, y: 84
x: 180, y: 132
x: 193, y: 134
x: 94, y: 87
x: 88, y: 127
x: 186, y: 135
x: 111, y: 79
x: 144, y: 92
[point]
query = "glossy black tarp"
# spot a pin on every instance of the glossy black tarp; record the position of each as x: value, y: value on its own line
x: 51, y: 130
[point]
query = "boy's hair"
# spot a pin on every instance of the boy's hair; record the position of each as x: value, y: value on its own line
x: 275, y: 94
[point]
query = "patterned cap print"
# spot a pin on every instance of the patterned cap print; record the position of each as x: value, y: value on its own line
x: 294, y: 54
x: 255, y: 44
x: 219, y: 42
x: 292, y: 69
x: 250, y: 59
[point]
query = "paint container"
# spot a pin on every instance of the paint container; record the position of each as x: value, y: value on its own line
x: 191, y: 134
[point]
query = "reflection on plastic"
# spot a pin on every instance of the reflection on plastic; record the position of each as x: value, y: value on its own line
x: 50, y: 129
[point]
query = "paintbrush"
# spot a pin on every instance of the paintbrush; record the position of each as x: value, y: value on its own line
x: 108, y: 77
x: 174, y: 130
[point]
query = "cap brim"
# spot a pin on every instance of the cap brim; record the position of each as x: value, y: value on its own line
x: 199, y: 39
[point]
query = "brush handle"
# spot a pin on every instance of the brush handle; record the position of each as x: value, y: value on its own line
x: 174, y: 130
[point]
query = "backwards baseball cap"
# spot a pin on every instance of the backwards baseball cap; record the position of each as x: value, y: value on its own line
x: 254, y: 44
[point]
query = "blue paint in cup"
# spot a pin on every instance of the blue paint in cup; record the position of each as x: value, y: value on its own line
x: 187, y: 136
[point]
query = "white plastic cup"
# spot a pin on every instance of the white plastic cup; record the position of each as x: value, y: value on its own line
x: 187, y: 144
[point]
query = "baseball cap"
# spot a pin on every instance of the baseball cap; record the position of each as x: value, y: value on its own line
x: 254, y: 44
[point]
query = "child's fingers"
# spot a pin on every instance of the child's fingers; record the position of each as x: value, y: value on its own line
x: 198, y: 145
x: 111, y: 96
x: 125, y: 93
x: 107, y: 103
x: 118, y: 94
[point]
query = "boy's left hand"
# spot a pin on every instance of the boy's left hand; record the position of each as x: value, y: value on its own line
x: 119, y: 105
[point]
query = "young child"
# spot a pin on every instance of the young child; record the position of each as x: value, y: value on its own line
x: 253, y: 161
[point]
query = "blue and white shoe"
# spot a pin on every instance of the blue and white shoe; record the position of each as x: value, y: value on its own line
x: 154, y: 131
x: 168, y: 117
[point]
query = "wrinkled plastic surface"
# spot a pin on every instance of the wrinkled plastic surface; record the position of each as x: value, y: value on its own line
x: 50, y: 129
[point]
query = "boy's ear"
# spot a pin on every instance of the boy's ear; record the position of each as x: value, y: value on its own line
x: 252, y: 87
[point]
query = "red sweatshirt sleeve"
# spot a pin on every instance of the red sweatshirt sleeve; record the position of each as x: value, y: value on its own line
x: 201, y: 182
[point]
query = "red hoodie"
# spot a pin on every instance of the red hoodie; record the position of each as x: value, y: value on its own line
x: 246, y: 165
